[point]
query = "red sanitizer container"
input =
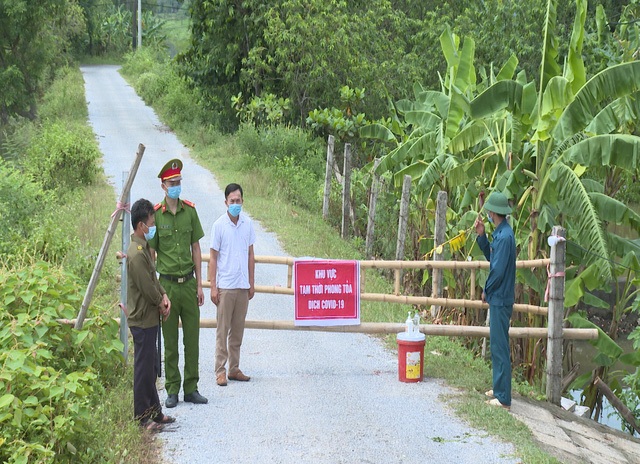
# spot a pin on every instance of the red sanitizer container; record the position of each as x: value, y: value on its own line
x: 410, y: 356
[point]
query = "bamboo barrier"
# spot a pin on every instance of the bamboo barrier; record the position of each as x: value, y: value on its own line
x: 393, y: 327
x: 397, y: 265
x: 394, y: 264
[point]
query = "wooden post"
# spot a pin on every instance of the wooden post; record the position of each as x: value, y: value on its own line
x: 439, y: 236
x: 373, y: 198
x: 346, y: 190
x: 327, y: 178
x: 555, y: 285
x: 404, y: 217
x: 111, y: 230
x: 402, y: 227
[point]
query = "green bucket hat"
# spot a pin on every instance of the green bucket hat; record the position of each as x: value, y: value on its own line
x: 498, y: 203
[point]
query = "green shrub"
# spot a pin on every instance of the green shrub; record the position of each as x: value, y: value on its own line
x: 50, y: 372
x: 65, y: 97
x: 64, y: 156
x: 150, y: 86
x: 21, y: 206
x: 273, y: 145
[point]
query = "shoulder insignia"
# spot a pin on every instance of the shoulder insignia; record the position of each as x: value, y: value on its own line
x: 139, y: 247
x: 189, y: 203
x: 157, y: 206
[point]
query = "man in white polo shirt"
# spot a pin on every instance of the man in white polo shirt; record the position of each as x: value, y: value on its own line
x: 231, y: 271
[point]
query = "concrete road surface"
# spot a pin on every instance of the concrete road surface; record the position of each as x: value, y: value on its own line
x: 314, y: 397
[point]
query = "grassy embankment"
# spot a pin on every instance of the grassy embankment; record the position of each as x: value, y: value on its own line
x: 304, y: 233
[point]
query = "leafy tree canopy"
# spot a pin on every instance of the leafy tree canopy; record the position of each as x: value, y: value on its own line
x: 34, y: 37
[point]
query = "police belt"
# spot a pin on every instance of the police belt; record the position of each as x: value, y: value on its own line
x: 179, y: 279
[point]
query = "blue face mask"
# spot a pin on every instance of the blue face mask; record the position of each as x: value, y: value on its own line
x: 490, y: 218
x: 234, y: 210
x: 174, y: 192
x: 152, y: 233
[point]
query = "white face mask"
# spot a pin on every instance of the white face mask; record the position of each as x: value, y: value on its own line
x: 151, y: 233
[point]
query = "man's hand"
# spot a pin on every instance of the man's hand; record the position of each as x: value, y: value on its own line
x: 200, y: 296
x: 479, y: 225
x: 252, y: 291
x: 215, y: 295
x: 165, y: 307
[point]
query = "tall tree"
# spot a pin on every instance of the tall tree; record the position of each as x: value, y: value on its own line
x: 33, y: 41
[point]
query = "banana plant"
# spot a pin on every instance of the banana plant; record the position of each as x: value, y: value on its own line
x: 572, y: 129
x: 432, y: 135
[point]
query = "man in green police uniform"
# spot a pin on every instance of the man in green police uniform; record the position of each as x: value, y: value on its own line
x: 179, y: 259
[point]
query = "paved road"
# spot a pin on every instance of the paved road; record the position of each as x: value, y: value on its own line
x: 314, y: 397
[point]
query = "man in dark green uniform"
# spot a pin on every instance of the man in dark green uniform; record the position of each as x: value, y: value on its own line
x: 179, y: 259
x: 146, y: 302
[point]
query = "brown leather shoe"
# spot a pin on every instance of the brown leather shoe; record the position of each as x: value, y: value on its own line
x: 238, y: 375
x: 221, y: 379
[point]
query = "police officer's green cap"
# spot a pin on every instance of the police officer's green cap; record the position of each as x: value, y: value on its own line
x: 498, y: 203
x: 171, y: 170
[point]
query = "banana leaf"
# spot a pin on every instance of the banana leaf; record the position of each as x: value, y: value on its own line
x: 615, y: 115
x: 611, y: 83
x: 377, y: 131
x: 423, y: 119
x: 608, y: 350
x: 614, y: 211
x: 468, y: 137
x: 550, y: 66
x: 431, y: 98
x: 501, y: 95
x: 619, y: 150
x: 414, y: 170
x: 575, y: 69
x: 508, y: 68
x: 577, y: 204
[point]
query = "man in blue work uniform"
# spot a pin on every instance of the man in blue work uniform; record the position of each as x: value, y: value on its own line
x: 499, y: 292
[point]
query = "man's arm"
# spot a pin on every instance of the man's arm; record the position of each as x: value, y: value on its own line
x: 150, y: 289
x: 213, y: 273
x: 498, y: 267
x: 252, y: 268
x: 196, y: 255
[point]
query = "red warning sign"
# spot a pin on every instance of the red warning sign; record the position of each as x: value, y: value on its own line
x: 327, y: 292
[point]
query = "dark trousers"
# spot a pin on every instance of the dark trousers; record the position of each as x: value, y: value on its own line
x: 146, y: 404
x: 499, y: 318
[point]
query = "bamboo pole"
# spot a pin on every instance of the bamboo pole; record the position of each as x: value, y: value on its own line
x: 409, y: 300
x: 111, y: 230
x: 327, y: 178
x: 555, y: 285
x: 346, y: 190
x: 397, y: 264
x: 373, y: 198
x: 396, y: 327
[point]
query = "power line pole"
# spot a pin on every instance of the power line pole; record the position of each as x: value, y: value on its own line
x: 139, y: 23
